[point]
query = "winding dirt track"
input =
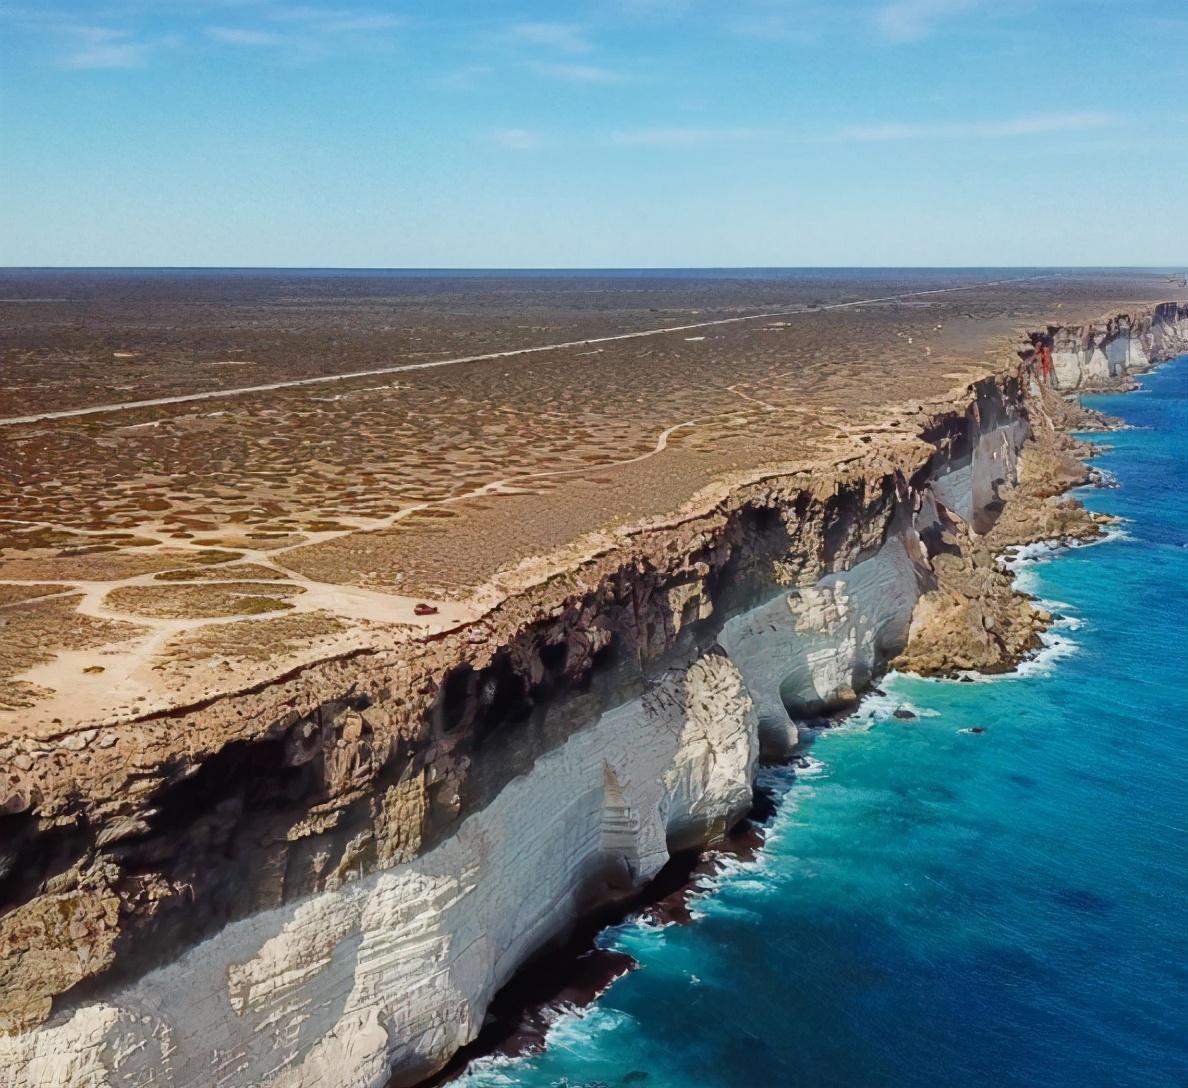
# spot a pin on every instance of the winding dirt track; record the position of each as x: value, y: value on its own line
x: 215, y: 394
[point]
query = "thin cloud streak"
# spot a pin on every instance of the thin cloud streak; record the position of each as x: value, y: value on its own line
x: 582, y: 73
x: 307, y: 32
x: 562, y: 37
x: 336, y: 20
x: 464, y: 78
x: 517, y: 139
x: 914, y: 20
x: 237, y: 36
x: 1039, y: 125
x: 101, y: 47
x: 686, y: 137
x: 358, y: 24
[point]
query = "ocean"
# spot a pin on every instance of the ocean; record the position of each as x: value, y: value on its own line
x: 991, y: 893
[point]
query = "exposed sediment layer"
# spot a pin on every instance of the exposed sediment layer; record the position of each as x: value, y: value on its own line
x: 1104, y: 354
x: 347, y: 863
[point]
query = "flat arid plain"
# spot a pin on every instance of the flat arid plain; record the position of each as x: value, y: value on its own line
x: 208, y: 479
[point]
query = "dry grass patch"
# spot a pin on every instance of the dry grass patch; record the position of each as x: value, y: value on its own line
x: 238, y: 573
x: 11, y: 595
x: 259, y: 640
x: 34, y: 632
x: 202, y: 602
x: 88, y: 568
x: 20, y: 695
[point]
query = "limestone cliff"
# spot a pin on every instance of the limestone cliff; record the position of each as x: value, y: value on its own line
x: 331, y: 880
x: 1105, y: 354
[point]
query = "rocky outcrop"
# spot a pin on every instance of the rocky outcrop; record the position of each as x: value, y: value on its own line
x: 1105, y: 354
x: 331, y: 885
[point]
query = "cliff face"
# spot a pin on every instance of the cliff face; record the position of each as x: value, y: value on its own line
x: 1104, y: 354
x: 336, y: 893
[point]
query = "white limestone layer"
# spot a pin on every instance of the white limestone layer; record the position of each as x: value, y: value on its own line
x: 1096, y: 355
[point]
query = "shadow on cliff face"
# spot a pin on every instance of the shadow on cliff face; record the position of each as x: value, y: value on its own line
x: 854, y: 526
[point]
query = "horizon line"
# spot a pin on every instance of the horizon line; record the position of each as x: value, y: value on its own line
x: 563, y: 268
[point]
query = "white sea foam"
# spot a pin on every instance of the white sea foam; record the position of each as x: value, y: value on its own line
x: 582, y: 1024
x: 881, y: 705
x: 712, y: 903
x: 647, y: 923
x: 1057, y: 647
x: 1024, y: 555
x: 1023, y: 562
x: 490, y: 1071
x: 777, y: 778
x: 875, y: 706
x: 744, y: 878
x: 808, y: 766
x: 575, y: 1028
x: 1112, y: 535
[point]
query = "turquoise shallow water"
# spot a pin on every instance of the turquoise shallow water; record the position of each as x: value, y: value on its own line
x: 939, y: 907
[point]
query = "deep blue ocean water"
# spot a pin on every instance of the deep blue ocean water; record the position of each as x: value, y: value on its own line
x: 939, y: 907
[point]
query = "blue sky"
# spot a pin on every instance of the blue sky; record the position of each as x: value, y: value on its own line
x: 612, y: 133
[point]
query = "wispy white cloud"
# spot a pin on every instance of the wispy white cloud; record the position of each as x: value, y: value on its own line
x: 659, y: 9
x: 335, y: 20
x: 103, y: 47
x: 775, y: 26
x: 562, y: 37
x: 807, y: 22
x: 686, y: 137
x: 527, y: 139
x: 559, y: 51
x: 694, y: 136
x: 1035, y: 125
x: 912, y: 20
x: 358, y: 24
x: 303, y: 25
x: 465, y: 77
x: 582, y: 73
x: 305, y: 33
x: 241, y: 36
x: 517, y: 139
